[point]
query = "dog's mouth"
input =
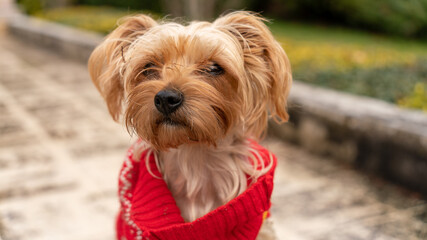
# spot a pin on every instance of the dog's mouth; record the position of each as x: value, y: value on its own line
x: 170, y: 122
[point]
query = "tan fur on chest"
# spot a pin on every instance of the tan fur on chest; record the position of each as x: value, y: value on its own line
x: 204, y: 178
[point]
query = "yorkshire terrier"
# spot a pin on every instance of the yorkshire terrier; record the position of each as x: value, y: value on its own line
x: 199, y: 97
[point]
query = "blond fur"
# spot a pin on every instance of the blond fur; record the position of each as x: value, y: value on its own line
x: 205, y: 157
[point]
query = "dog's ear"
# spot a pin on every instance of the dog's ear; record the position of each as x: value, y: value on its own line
x: 106, y: 61
x: 266, y: 64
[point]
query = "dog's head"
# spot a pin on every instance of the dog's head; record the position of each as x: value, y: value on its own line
x: 178, y: 84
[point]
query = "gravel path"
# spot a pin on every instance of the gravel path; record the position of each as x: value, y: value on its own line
x: 60, y: 154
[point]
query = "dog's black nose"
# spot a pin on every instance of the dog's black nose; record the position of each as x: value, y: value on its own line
x: 167, y: 101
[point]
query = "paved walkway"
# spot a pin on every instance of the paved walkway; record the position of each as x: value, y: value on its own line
x: 60, y: 155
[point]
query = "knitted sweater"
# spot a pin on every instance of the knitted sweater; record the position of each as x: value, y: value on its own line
x: 148, y: 210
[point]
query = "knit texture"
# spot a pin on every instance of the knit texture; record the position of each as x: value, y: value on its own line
x: 148, y: 210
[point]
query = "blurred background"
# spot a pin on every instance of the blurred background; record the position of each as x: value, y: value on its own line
x: 352, y: 159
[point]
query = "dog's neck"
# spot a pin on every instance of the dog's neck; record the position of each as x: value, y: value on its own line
x: 202, y: 178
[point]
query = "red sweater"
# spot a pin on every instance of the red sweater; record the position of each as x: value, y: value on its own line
x: 148, y: 210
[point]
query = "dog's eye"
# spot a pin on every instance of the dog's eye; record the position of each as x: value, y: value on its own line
x: 149, y: 70
x: 215, y: 69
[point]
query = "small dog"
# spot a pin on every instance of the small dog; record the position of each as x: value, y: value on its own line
x: 198, y: 96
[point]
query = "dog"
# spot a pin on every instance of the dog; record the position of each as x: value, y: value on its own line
x: 198, y: 96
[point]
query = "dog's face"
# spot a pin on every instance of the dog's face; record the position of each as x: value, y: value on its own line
x: 178, y: 84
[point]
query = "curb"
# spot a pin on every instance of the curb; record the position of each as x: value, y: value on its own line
x: 371, y: 134
x: 374, y: 135
x: 70, y: 42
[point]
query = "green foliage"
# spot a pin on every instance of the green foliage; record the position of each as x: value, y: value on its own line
x: 390, y: 83
x: 352, y: 61
x: 98, y: 19
x: 417, y: 99
x: 407, y: 18
x: 154, y: 6
x: 321, y: 34
x: 30, y: 6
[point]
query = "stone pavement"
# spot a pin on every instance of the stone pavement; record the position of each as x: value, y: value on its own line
x: 60, y: 154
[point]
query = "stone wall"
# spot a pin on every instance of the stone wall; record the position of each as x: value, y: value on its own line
x: 73, y: 43
x: 374, y: 135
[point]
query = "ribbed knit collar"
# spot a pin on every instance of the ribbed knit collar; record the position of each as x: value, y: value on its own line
x: 155, y: 212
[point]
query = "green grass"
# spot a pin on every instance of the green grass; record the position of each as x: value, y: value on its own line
x: 98, y: 19
x: 358, y: 62
x: 337, y: 35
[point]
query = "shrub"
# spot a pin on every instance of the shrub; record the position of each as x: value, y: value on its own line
x: 30, y: 6
x: 153, y: 6
x: 407, y: 18
x: 390, y: 83
x: 417, y: 99
x: 98, y: 19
